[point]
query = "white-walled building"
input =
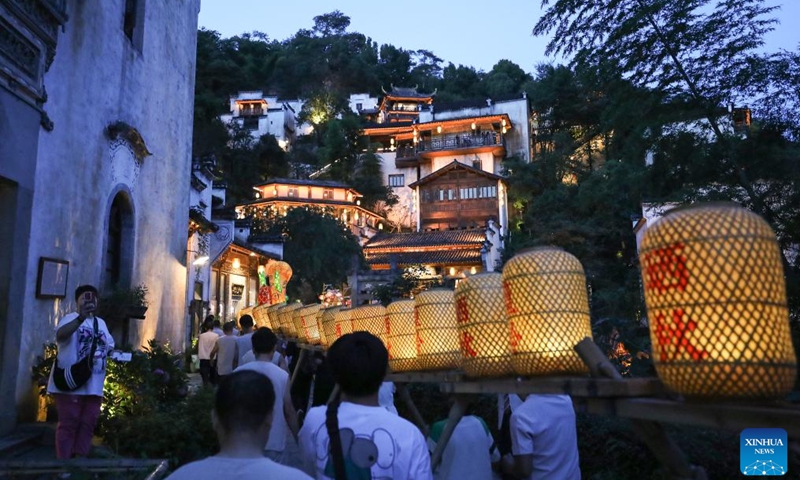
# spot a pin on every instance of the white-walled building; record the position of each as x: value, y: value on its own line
x: 95, y: 190
x: 267, y: 115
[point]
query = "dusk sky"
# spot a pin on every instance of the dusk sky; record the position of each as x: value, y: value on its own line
x: 467, y: 32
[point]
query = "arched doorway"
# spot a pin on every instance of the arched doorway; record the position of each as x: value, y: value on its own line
x: 118, y: 254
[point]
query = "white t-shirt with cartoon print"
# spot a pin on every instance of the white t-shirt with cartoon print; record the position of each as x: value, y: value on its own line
x: 376, y: 445
x: 78, y: 346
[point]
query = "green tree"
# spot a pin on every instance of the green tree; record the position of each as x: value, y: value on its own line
x: 505, y: 78
x: 368, y: 181
x: 320, y: 249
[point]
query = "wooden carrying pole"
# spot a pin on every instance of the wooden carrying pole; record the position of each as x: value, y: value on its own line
x: 456, y: 413
x: 653, y: 433
x: 416, y: 417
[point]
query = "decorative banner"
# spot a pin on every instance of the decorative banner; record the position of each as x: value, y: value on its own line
x: 237, y: 291
x: 716, y: 303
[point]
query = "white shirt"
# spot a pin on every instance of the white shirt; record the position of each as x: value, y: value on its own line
x: 280, y: 382
x: 251, y: 357
x: 78, y: 346
x: 377, y: 444
x: 245, y: 345
x: 467, y: 454
x: 205, y: 344
x: 216, y: 467
x: 386, y: 397
x: 544, y: 426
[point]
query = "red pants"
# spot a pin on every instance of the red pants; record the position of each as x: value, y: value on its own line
x: 77, y: 417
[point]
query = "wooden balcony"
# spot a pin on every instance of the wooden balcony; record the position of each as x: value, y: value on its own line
x: 461, y: 144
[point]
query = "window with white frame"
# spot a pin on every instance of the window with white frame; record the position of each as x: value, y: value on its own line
x: 397, y: 180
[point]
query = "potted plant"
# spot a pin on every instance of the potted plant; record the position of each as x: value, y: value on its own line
x: 124, y: 303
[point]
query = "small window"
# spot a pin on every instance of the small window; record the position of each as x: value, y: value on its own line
x: 293, y: 192
x: 359, y: 107
x: 476, y: 164
x: 133, y: 22
x: 327, y: 194
x: 397, y: 180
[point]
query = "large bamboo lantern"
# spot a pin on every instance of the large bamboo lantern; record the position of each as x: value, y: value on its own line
x: 547, y: 307
x: 260, y: 316
x: 716, y: 303
x: 272, y: 316
x: 372, y: 319
x: 286, y: 315
x: 342, y: 324
x: 306, y: 325
x: 402, y: 336
x: 437, y: 334
x: 327, y: 320
x: 482, y: 326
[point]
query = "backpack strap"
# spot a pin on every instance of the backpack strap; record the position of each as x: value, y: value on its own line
x: 336, y: 452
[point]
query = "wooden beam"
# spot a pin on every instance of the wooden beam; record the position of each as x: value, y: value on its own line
x: 573, y: 386
x: 727, y: 416
x: 456, y: 413
x: 416, y: 417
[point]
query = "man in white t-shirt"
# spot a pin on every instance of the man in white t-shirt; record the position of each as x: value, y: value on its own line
x: 373, y: 442
x: 243, y: 340
x: 469, y: 452
x: 263, y: 343
x: 205, y: 345
x: 544, y: 440
x: 242, y: 416
x: 79, y: 409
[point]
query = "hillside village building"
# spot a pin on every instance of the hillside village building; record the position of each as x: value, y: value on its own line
x: 94, y: 170
x: 266, y: 115
x: 443, y: 161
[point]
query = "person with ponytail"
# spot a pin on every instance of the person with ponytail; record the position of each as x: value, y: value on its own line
x: 354, y: 437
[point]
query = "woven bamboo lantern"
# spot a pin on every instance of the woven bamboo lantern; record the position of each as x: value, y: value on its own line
x: 306, y: 324
x: 402, y: 336
x: 327, y: 318
x: 437, y: 334
x: 341, y: 323
x: 716, y: 303
x: 286, y: 315
x: 547, y: 307
x: 260, y: 316
x: 372, y: 319
x: 482, y: 326
x: 272, y: 316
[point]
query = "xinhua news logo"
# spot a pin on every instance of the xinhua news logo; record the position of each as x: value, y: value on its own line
x: 763, y: 452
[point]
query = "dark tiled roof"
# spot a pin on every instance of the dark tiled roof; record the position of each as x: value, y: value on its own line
x: 204, y: 225
x: 302, y: 181
x: 472, y: 103
x: 426, y: 239
x: 408, y: 92
x: 254, y: 249
x: 434, y: 257
x: 455, y: 164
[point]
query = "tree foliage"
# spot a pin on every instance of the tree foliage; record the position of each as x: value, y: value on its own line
x: 320, y: 249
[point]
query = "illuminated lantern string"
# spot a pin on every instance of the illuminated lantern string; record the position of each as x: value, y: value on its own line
x: 437, y: 334
x: 261, y: 317
x: 547, y: 306
x: 272, y: 317
x: 286, y: 315
x: 716, y: 303
x: 342, y: 323
x: 372, y: 319
x: 402, y: 336
x: 327, y: 318
x: 305, y: 324
x: 482, y: 326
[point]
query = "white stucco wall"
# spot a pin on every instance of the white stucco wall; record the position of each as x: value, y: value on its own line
x: 98, y: 77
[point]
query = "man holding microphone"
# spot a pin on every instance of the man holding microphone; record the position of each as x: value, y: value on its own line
x: 79, y: 408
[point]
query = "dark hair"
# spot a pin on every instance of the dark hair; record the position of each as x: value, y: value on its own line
x: 246, y: 321
x: 83, y: 289
x: 264, y: 340
x: 358, y: 362
x: 217, y: 323
x: 209, y: 318
x: 207, y: 326
x: 243, y: 400
x: 228, y: 327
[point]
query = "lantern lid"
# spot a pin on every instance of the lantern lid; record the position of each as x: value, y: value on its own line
x: 539, y: 248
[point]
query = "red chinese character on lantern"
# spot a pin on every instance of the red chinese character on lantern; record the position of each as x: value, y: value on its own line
x: 417, y: 325
x: 388, y: 325
x: 675, y: 335
x: 510, y: 308
x: 515, y: 337
x: 338, y: 330
x: 466, y: 345
x: 462, y: 311
x: 665, y: 269
x: 389, y: 349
